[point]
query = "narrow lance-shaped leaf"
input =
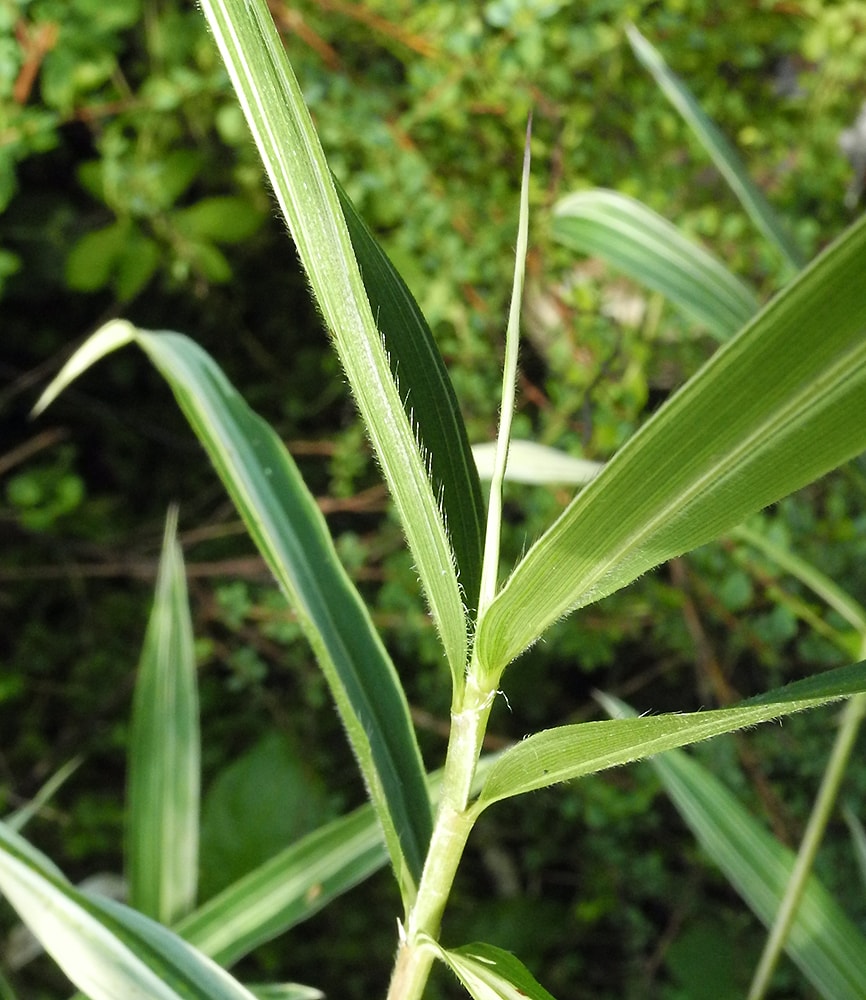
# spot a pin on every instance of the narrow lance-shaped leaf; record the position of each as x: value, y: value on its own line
x: 107, y: 950
x: 428, y: 398
x: 273, y: 105
x: 570, y: 752
x: 290, y: 532
x: 776, y: 407
x: 723, y: 154
x: 296, y: 883
x: 636, y: 240
x: 826, y: 946
x: 164, y: 754
x: 288, y: 888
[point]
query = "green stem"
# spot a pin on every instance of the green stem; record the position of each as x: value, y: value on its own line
x: 454, y: 820
x: 844, y: 744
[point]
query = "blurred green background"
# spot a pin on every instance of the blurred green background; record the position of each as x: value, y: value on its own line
x: 129, y: 186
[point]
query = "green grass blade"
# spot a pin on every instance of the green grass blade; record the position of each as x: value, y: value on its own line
x: 823, y: 943
x: 18, y: 819
x: 428, y: 398
x: 858, y: 841
x: 287, y: 527
x: 273, y: 105
x: 723, y: 154
x: 107, y: 950
x: 288, y: 888
x: 775, y: 408
x: 570, y: 752
x: 297, y: 883
x: 164, y: 752
x: 831, y: 593
x: 643, y: 245
x: 490, y: 973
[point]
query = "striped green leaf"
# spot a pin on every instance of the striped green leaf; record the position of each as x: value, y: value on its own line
x: 775, y: 408
x: 637, y: 241
x: 286, y: 525
x: 164, y: 752
x: 428, y: 399
x: 297, y: 883
x: 288, y: 888
x: 826, y: 946
x: 107, y: 950
x: 722, y: 153
x: 489, y: 973
x: 274, y: 108
x: 570, y: 752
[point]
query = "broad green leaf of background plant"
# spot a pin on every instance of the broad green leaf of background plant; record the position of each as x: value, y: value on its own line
x: 570, y: 752
x: 775, y: 408
x: 290, y: 532
x: 825, y: 945
x: 490, y: 973
x: 278, y: 118
x: 164, y: 752
x: 107, y: 950
x: 639, y: 242
x: 722, y: 153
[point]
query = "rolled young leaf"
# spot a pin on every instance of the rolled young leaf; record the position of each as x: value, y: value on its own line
x: 274, y: 108
x: 288, y: 528
x: 775, y: 408
x: 722, y: 153
x: 164, y: 752
x: 569, y: 752
x: 107, y: 950
x: 634, y: 239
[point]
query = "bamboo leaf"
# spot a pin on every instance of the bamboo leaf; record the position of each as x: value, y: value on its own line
x: 570, y: 752
x: 775, y: 408
x: 288, y: 888
x: 828, y: 949
x: 287, y: 527
x: 722, y: 153
x: 643, y: 245
x: 18, y: 819
x: 164, y: 752
x: 274, y: 108
x: 428, y: 399
x: 107, y: 950
x: 296, y: 883
x: 489, y: 973
x: 830, y: 592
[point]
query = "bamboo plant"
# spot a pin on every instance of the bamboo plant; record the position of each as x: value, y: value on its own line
x: 777, y: 406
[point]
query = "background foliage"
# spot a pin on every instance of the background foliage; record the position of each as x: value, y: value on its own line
x: 128, y: 183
